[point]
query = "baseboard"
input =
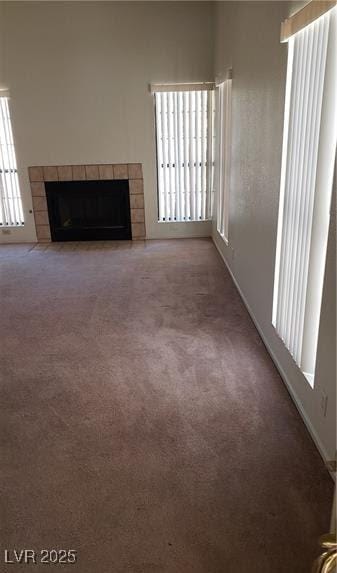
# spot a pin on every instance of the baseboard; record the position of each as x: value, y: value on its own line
x: 279, y: 367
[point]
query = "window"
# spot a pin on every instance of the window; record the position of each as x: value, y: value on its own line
x: 11, y: 212
x: 309, y: 147
x: 223, y: 107
x: 184, y: 128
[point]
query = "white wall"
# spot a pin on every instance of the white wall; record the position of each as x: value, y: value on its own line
x: 247, y: 38
x: 78, y: 74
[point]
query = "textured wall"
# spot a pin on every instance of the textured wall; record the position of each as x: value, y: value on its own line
x: 247, y: 37
x: 78, y: 74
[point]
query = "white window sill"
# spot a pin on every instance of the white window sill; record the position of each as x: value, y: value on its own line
x: 225, y: 240
x: 3, y: 227
x: 309, y: 378
x: 185, y: 221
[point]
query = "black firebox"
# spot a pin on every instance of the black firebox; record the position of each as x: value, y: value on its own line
x: 89, y: 210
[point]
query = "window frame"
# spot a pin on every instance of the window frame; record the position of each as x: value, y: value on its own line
x: 11, y: 207
x: 302, y: 341
x: 191, y: 200
x: 223, y: 158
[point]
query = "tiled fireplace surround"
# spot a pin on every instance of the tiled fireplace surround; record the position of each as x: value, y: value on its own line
x: 131, y: 171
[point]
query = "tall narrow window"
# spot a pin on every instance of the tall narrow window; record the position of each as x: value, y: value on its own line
x: 184, y: 128
x: 309, y: 148
x: 223, y: 131
x: 11, y: 212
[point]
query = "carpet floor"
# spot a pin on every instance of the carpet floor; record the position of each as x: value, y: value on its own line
x: 143, y: 422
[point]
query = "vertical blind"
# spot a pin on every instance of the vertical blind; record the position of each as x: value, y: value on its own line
x: 223, y: 108
x: 11, y: 212
x: 307, y: 54
x: 184, y: 127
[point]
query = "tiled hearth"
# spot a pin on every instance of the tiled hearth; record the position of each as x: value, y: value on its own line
x: 131, y: 171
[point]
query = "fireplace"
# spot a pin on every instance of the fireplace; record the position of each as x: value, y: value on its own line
x: 61, y: 218
x: 88, y: 210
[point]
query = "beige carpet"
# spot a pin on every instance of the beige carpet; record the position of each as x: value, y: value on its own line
x: 143, y: 423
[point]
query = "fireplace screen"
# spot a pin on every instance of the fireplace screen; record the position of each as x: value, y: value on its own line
x: 89, y: 210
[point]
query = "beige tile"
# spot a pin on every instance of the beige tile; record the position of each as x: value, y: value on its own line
x: 138, y: 230
x: 105, y: 172
x: 39, y: 204
x: 38, y: 189
x: 135, y: 171
x: 78, y: 172
x: 137, y: 216
x: 50, y: 173
x: 41, y: 218
x: 136, y: 186
x: 120, y: 171
x: 35, y: 173
x: 65, y: 173
x: 136, y: 201
x: 45, y: 240
x: 43, y: 232
x: 91, y: 171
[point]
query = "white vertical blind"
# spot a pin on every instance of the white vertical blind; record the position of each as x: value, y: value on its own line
x: 184, y: 121
x: 299, y: 193
x: 11, y: 212
x: 224, y: 98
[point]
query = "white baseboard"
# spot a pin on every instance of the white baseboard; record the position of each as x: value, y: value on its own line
x: 279, y: 367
